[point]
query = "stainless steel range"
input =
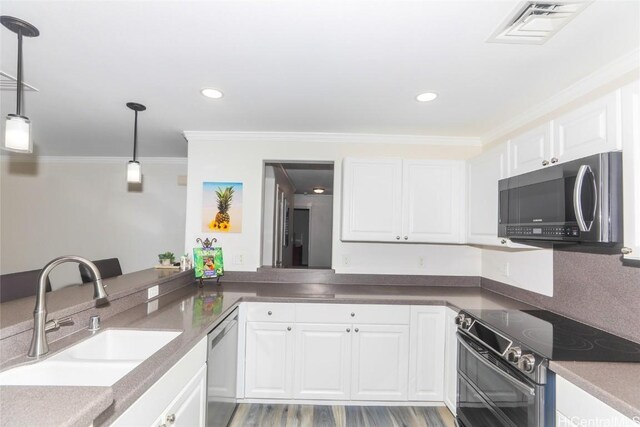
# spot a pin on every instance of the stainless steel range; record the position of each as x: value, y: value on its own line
x: 503, y: 360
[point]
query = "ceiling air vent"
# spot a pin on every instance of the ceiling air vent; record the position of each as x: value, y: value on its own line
x: 8, y: 82
x: 536, y: 22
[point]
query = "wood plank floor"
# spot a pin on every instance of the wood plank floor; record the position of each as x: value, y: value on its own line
x: 265, y: 415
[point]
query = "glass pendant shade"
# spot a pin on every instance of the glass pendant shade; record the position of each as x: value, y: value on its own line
x: 17, y: 135
x: 134, y: 172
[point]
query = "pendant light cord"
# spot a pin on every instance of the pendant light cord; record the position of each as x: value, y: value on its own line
x: 135, y: 136
x: 19, y: 83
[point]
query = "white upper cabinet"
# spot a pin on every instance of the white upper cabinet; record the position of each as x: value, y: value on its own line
x: 531, y: 150
x: 390, y: 200
x: 433, y: 201
x: 483, y: 174
x: 372, y: 199
x: 590, y: 129
x: 631, y: 169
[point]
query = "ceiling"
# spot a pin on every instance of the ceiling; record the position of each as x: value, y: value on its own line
x: 307, y: 176
x: 289, y: 65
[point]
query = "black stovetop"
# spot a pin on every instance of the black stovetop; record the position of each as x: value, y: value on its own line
x: 559, y: 338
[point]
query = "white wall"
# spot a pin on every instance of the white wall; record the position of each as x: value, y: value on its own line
x: 268, y: 224
x: 243, y: 162
x: 320, y: 227
x: 81, y: 206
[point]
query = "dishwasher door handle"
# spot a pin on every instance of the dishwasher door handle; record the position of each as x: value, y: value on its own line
x: 218, y: 335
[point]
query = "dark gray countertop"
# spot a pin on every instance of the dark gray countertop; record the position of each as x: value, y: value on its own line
x: 181, y: 309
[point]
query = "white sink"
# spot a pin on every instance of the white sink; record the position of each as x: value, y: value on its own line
x: 50, y: 372
x: 118, y: 345
x: 98, y: 361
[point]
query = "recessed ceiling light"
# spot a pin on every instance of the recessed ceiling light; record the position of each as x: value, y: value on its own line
x: 211, y: 93
x: 426, y: 97
x: 318, y: 190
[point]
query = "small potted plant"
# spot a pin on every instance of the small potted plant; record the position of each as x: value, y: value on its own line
x: 166, y: 258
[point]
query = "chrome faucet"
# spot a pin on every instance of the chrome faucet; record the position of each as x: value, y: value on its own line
x: 39, y: 345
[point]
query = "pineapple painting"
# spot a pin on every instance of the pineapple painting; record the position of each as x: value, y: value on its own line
x: 222, y: 207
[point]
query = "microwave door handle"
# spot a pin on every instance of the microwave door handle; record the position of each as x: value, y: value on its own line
x: 513, y: 380
x: 577, y: 200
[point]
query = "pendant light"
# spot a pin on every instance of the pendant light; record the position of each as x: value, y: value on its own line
x: 134, y: 170
x: 18, y: 127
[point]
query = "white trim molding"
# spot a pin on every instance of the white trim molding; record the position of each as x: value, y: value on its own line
x: 605, y: 75
x: 321, y: 137
x: 30, y: 158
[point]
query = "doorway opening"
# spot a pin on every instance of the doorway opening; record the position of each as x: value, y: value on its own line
x: 297, y: 220
x: 300, y: 238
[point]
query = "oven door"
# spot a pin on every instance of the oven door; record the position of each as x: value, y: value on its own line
x: 492, y: 393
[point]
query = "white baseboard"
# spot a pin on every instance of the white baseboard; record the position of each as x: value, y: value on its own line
x: 340, y: 402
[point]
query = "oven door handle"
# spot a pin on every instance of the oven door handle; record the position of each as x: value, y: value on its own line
x: 522, y: 386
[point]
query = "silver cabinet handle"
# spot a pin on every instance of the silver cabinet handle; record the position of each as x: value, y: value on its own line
x: 626, y: 250
x: 269, y: 312
x: 554, y: 160
x: 171, y: 418
x: 288, y: 328
x: 406, y: 237
x: 357, y: 330
x: 353, y: 315
x: 545, y: 163
x: 348, y: 329
x: 397, y: 237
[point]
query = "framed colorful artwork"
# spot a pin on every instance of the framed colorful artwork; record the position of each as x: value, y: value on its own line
x: 222, y: 207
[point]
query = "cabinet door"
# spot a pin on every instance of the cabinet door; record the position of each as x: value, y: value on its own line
x: 380, y: 362
x: 483, y: 174
x: 322, y: 361
x: 528, y: 152
x: 189, y: 407
x: 631, y: 169
x: 450, y: 359
x: 269, y: 360
x: 433, y: 195
x: 426, y: 354
x: 371, y: 199
x: 588, y: 130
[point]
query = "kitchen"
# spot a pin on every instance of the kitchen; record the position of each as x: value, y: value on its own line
x: 322, y: 93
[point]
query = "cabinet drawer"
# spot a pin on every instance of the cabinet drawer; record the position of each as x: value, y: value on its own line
x: 353, y: 313
x: 270, y: 312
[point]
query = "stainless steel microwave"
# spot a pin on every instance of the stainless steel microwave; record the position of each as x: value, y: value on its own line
x: 577, y: 201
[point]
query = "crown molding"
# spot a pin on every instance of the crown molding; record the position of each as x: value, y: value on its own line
x: 30, y: 158
x: 322, y: 137
x: 607, y: 74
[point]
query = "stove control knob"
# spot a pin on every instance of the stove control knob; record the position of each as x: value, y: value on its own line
x: 527, y: 363
x: 513, y: 355
x: 459, y: 318
x: 466, y: 323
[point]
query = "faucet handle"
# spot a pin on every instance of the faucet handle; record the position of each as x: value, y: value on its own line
x: 56, y: 323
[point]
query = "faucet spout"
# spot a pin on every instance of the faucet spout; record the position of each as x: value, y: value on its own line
x: 39, y: 345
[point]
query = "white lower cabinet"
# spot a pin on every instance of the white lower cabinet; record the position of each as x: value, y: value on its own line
x: 427, y: 354
x: 322, y: 361
x: 269, y: 360
x: 576, y: 407
x: 450, y: 359
x: 347, y: 352
x: 188, y: 409
x: 179, y: 395
x: 380, y: 362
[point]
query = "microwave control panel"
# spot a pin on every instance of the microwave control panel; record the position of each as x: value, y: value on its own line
x: 558, y: 231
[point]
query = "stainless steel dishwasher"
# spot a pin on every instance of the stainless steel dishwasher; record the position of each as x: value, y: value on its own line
x: 222, y: 368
